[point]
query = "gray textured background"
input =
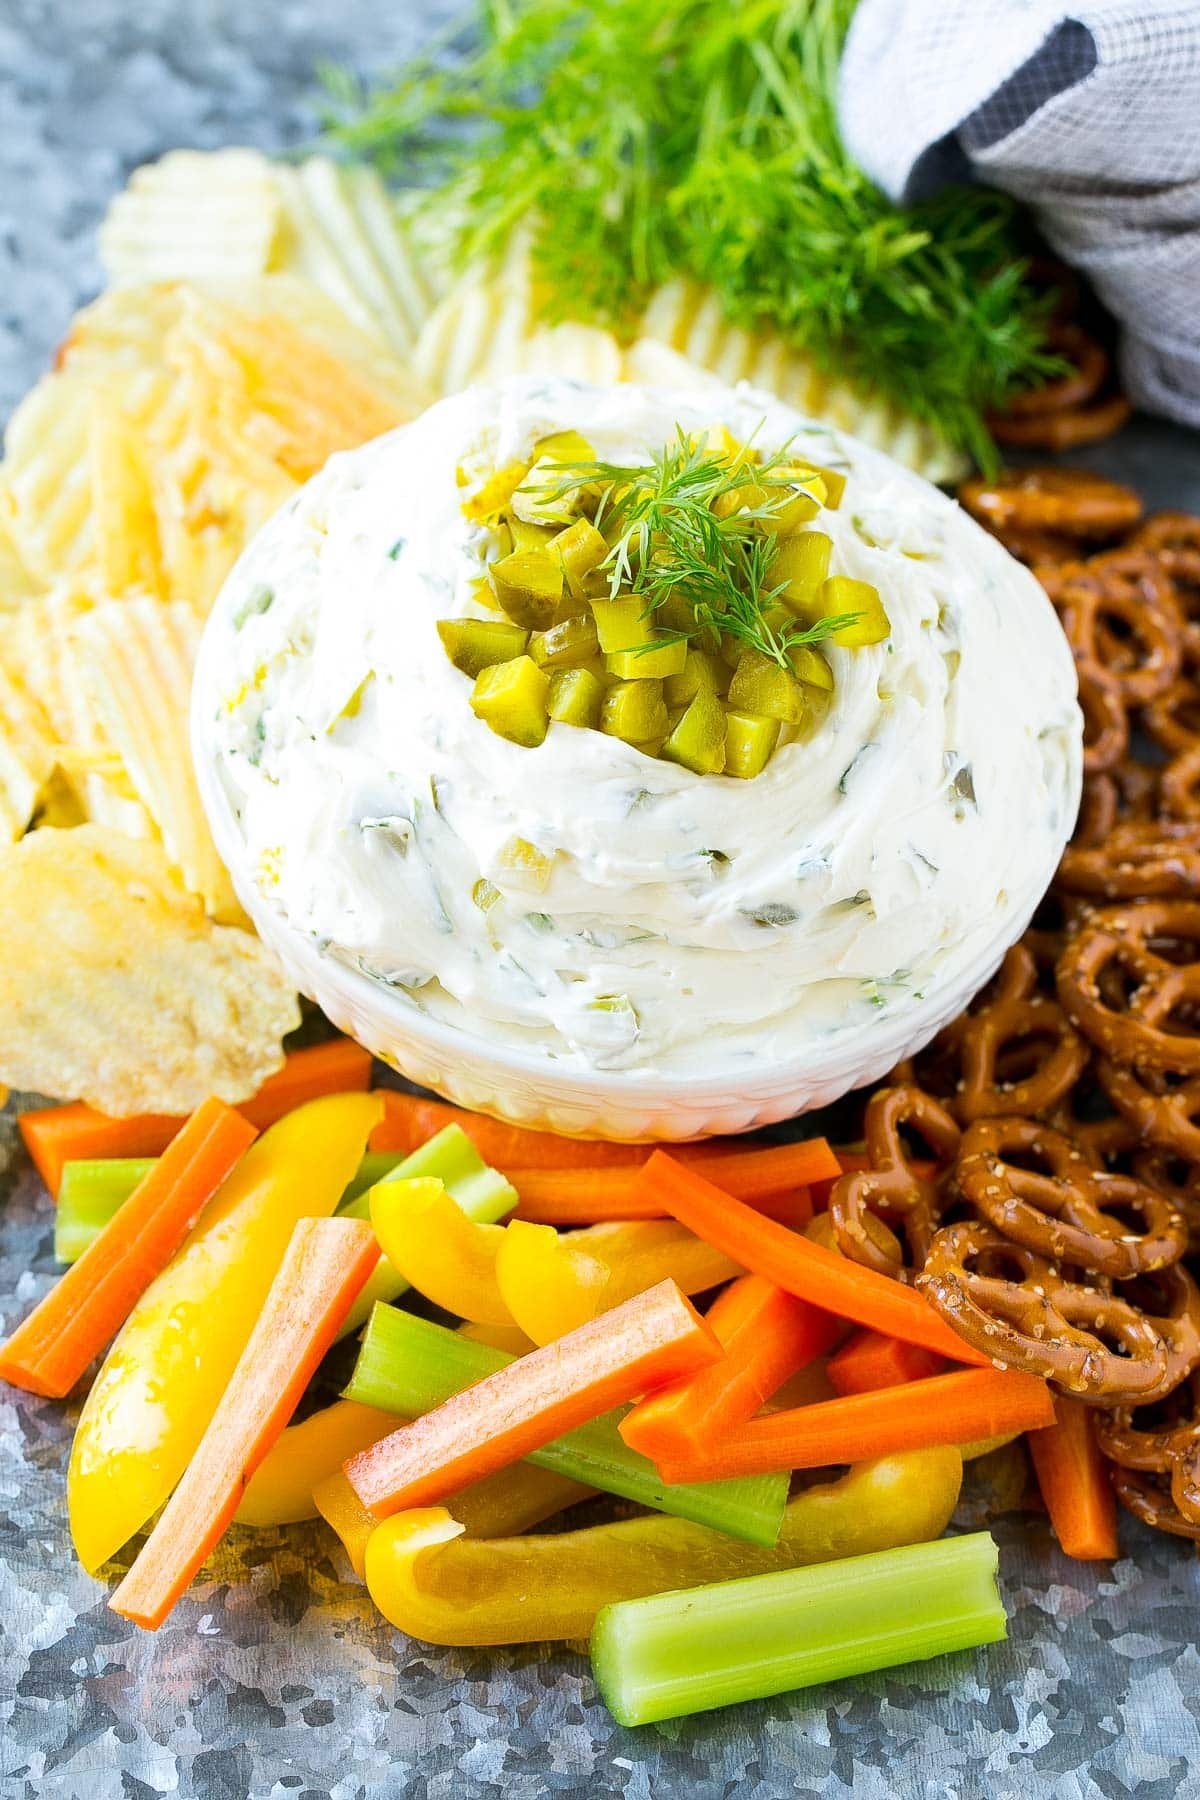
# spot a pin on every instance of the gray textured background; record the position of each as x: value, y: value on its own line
x: 275, y: 1677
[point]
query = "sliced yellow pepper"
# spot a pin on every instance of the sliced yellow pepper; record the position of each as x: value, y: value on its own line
x: 428, y: 1238
x: 432, y: 1581
x: 160, y: 1382
x: 553, y: 1281
x: 503, y: 1505
x: 280, y: 1491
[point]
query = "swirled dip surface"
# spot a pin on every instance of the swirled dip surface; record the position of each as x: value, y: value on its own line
x: 689, y: 922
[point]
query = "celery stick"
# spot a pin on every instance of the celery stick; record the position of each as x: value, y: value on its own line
x: 689, y: 1651
x: 484, y: 1196
x: 409, y: 1365
x: 375, y: 1165
x: 89, y: 1194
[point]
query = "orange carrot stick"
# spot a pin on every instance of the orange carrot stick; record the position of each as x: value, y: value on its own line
x: 586, y: 1195
x: 55, y: 1135
x: 85, y: 1309
x: 869, y: 1360
x: 1074, y: 1482
x: 957, y: 1408
x: 767, y: 1335
x: 324, y: 1267
x: 656, y: 1337
x: 795, y: 1263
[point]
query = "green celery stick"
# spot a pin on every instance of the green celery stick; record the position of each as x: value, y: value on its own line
x: 375, y: 1165
x: 692, y: 1650
x: 409, y: 1365
x: 484, y: 1196
x: 89, y: 1194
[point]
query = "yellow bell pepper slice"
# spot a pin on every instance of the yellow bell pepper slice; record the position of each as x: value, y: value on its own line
x: 280, y: 1491
x: 502, y: 1505
x: 160, y: 1382
x: 433, y: 1582
x: 554, y: 1281
x: 430, y: 1241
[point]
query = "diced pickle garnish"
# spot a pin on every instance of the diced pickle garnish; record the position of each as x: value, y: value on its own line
x: 533, y: 867
x: 634, y: 711
x: 697, y: 741
x: 800, y: 565
x: 810, y: 667
x: 575, y: 697
x: 835, y: 485
x: 485, y: 895
x: 650, y: 661
x: 544, y: 498
x: 475, y: 644
x: 581, y: 549
x: 566, y: 447
x: 749, y: 743
x: 574, y: 641
x: 494, y: 494
x: 620, y: 624
x: 761, y: 686
x: 511, y: 698
x: 841, y: 594
x: 531, y: 537
x: 529, y: 586
x: 701, y: 673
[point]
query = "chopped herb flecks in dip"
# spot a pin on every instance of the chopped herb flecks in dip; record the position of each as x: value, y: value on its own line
x: 821, y: 852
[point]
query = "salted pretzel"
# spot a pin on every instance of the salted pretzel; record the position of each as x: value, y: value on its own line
x: 1070, y: 1208
x: 1088, y: 1116
x: 1121, y: 796
x: 1017, y: 1053
x: 1119, y: 986
x: 1168, y: 531
x: 1105, y: 720
x: 1173, y: 717
x: 1073, y: 501
x: 1165, y: 1441
x: 1065, y: 428
x: 1020, y: 1310
x: 1119, y: 611
x: 1179, y: 785
x: 1134, y: 859
x: 1178, y: 1177
x: 1148, y: 1498
x: 1161, y: 1107
x: 1038, y: 549
x: 876, y: 1212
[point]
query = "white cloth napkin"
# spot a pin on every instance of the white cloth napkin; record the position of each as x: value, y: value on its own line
x: 1090, y: 114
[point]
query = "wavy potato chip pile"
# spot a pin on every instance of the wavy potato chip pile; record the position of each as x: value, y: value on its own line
x: 117, y: 988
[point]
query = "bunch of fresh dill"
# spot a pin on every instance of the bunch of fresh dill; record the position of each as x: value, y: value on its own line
x: 648, y: 138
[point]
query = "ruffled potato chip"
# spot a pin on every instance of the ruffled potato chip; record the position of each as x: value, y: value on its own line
x: 28, y: 753
x: 196, y: 214
x: 116, y: 988
x: 136, y: 660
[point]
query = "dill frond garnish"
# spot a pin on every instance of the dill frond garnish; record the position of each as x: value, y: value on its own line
x: 644, y: 139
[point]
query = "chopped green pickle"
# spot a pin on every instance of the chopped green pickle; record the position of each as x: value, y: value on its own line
x: 620, y: 624
x: 511, y: 698
x: 581, y: 549
x: 635, y: 711
x: 749, y: 743
x: 485, y: 895
x: 761, y: 686
x: 698, y: 740
x: 475, y: 644
x: 835, y: 486
x: 701, y: 673
x: 575, y: 697
x: 566, y: 447
x: 650, y: 661
x: 810, y: 667
x: 529, y: 586
x: 543, y: 499
x: 531, y: 537
x: 573, y: 641
x: 799, y: 566
x: 840, y: 594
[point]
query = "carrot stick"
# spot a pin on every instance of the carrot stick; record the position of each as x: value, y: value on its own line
x: 795, y: 1263
x: 55, y: 1135
x: 869, y: 1360
x: 653, y: 1338
x: 325, y: 1265
x: 610, y: 1197
x: 84, y: 1310
x: 956, y: 1408
x: 767, y: 1335
x: 1074, y: 1482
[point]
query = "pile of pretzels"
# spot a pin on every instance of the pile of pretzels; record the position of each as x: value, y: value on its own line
x: 1036, y: 1172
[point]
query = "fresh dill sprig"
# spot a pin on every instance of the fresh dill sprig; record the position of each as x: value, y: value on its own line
x: 645, y: 139
x: 671, y: 550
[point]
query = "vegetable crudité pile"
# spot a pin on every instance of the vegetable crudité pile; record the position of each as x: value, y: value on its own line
x: 678, y: 605
x: 214, y: 1261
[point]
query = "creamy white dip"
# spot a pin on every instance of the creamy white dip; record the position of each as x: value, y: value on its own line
x: 689, y: 922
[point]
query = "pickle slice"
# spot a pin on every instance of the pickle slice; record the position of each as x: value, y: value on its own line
x: 634, y: 711
x: 697, y: 741
x: 750, y: 742
x: 761, y: 686
x: 490, y: 499
x: 575, y: 697
x: 475, y: 644
x: 511, y: 698
x: 581, y: 549
x: 649, y: 661
x: 529, y: 586
x: 572, y: 641
x: 798, y: 567
x: 701, y: 673
x: 841, y: 594
x: 530, y: 537
x: 810, y: 667
x: 620, y: 624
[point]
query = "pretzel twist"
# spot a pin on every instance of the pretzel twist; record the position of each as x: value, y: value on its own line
x: 876, y: 1212
x: 1065, y: 1209
x: 1119, y: 611
x: 1169, y: 1444
x: 1148, y: 1498
x: 1114, y: 950
x: 1072, y: 501
x: 1135, y: 859
x: 1161, y: 1108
